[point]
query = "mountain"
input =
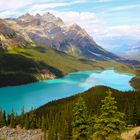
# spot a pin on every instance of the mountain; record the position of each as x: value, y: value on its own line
x: 24, y: 61
x: 51, y: 31
x: 10, y: 37
x: 124, y: 46
x: 133, y: 52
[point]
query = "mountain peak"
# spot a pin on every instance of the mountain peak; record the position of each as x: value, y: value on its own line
x: 25, y: 17
x: 38, y: 19
x: 37, y: 15
x: 52, y: 18
x: 50, y: 30
x: 49, y: 14
x: 75, y: 26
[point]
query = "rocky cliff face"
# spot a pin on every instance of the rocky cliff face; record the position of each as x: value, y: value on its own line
x: 10, y: 37
x: 51, y: 31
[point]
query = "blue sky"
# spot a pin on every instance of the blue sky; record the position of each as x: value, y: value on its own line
x: 103, y: 19
x: 112, y: 12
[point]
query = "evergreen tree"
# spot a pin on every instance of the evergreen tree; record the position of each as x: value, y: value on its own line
x: 135, y: 114
x: 2, y: 119
x: 109, y: 124
x: 4, y: 116
x: 38, y: 122
x: 8, y: 119
x: 22, y: 117
x: 80, y: 120
x: 43, y: 124
x: 32, y: 119
x: 67, y: 131
x: 26, y: 124
x: 12, y: 119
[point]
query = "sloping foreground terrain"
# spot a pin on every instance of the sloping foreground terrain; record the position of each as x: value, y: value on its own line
x: 20, y: 134
x: 59, y: 113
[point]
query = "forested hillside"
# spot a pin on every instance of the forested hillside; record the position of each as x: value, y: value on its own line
x: 59, y: 113
x: 56, y: 117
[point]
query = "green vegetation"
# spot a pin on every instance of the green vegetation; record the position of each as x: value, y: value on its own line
x: 34, y: 62
x: 58, y: 119
x: 110, y: 123
x: 80, y: 122
x: 2, y: 118
x: 59, y: 116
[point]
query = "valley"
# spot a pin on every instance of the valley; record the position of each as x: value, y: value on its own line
x: 66, y: 86
x: 46, y: 65
x: 25, y: 58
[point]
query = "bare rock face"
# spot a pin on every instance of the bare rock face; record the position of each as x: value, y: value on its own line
x: 9, y: 37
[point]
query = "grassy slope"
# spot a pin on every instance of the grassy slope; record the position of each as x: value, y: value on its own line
x: 30, y: 61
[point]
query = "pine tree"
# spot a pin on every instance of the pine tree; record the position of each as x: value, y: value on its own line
x: 67, y: 131
x: 12, y: 119
x: 109, y: 124
x: 2, y: 119
x: 26, y: 124
x: 8, y: 119
x: 135, y: 114
x: 4, y: 116
x: 38, y: 122
x: 32, y: 119
x: 43, y: 124
x: 22, y: 117
x: 80, y: 120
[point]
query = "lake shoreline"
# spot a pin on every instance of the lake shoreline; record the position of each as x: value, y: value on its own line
x: 57, y: 77
x: 48, y: 90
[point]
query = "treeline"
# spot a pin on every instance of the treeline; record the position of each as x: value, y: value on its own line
x: 59, y: 113
x: 56, y: 117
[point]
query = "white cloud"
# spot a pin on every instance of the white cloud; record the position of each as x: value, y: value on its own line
x: 109, y: 37
x: 105, y: 0
x: 87, y: 20
x: 43, y: 6
x: 122, y: 8
x: 14, y: 4
x: 16, y: 7
x: 96, y: 27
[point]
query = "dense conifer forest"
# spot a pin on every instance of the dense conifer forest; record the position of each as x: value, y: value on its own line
x: 56, y: 117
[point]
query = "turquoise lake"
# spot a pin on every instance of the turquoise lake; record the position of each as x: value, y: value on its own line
x: 37, y: 94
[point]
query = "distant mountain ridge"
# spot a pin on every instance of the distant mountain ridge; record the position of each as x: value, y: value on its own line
x: 24, y: 60
x: 124, y: 46
x: 51, y: 31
